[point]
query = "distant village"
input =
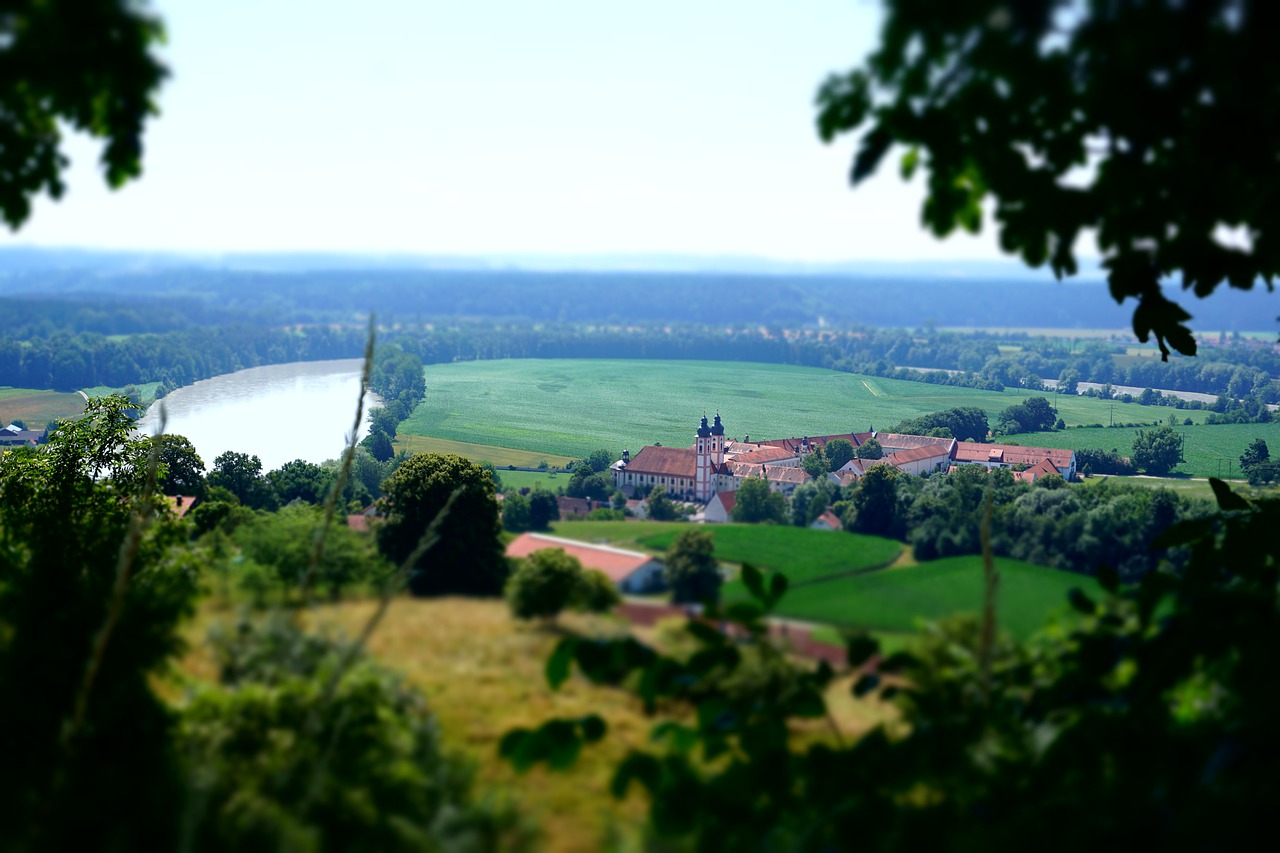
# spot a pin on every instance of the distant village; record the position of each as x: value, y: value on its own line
x: 711, y: 470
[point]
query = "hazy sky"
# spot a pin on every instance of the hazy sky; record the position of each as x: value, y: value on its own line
x: 442, y: 126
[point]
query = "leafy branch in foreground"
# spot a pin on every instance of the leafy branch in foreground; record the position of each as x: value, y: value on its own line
x: 1152, y: 719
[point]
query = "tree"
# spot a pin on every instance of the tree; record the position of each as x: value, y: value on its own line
x: 586, y: 483
x: 98, y: 76
x: 88, y: 757
x: 691, y: 568
x: 756, y: 503
x: 815, y: 463
x: 241, y: 475
x: 839, y: 452
x: 1256, y: 453
x: 595, y: 593
x: 467, y: 558
x: 1157, y: 451
x: 543, y: 584
x: 660, y: 506
x: 183, y: 467
x: 543, y: 509
x: 1006, y: 101
x: 1069, y: 381
x: 870, y: 449
x: 875, y: 503
x: 599, y: 461
x: 299, y: 480
x: 378, y: 445
x: 515, y: 513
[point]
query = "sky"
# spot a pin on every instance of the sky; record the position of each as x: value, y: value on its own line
x: 566, y: 127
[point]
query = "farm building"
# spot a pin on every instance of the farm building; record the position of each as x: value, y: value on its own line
x: 630, y: 571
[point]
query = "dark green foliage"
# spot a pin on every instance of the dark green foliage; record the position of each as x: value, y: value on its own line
x: 378, y: 445
x: 586, y: 483
x: 595, y: 593
x: 85, y: 742
x: 691, y: 569
x: 1005, y: 102
x: 241, y: 475
x: 1031, y: 415
x: 962, y: 424
x: 815, y: 463
x: 756, y: 503
x: 869, y: 449
x: 543, y: 509
x: 468, y: 558
x: 307, y: 745
x: 1157, y: 451
x: 284, y: 543
x: 839, y: 451
x: 660, y: 507
x: 98, y: 77
x: 183, y: 472
x: 874, y: 501
x: 810, y: 500
x: 1104, y: 462
x: 599, y: 461
x: 300, y: 480
x: 543, y: 584
x: 515, y: 513
x: 1256, y: 453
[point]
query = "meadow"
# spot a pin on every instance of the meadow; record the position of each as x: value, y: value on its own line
x: 498, y: 456
x: 37, y: 408
x: 852, y: 581
x: 573, y: 406
x: 1210, y: 451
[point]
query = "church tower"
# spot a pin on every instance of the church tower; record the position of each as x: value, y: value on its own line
x: 710, y: 456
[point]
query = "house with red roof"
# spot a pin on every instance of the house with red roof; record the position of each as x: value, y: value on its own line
x: 631, y: 571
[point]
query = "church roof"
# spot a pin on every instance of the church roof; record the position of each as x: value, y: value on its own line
x: 664, y: 461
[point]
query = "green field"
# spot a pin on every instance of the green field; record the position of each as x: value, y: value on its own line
x: 1211, y: 451
x: 513, y: 481
x: 37, y: 408
x: 840, y: 578
x: 573, y: 406
x: 147, y: 390
x: 499, y: 456
x: 896, y: 600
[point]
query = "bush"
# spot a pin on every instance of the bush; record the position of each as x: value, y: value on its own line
x: 595, y: 593
x: 543, y: 584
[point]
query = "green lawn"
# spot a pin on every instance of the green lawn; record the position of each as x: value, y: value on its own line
x: 1211, y: 451
x: 621, y: 534
x: 499, y: 456
x: 515, y: 480
x: 573, y: 406
x: 896, y: 600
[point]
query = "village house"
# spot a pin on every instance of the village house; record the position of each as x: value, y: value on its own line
x: 631, y: 571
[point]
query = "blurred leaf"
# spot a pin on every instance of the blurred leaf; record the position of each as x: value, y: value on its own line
x: 557, y: 669
x: 1227, y: 499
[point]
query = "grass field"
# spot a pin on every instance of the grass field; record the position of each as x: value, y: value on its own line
x: 573, y: 406
x: 146, y: 389
x: 1211, y: 451
x: 895, y: 600
x: 482, y: 675
x: 499, y: 456
x: 515, y: 480
x: 37, y: 408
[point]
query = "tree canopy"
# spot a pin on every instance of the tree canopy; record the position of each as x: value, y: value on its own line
x: 1154, y: 125
x: 84, y: 64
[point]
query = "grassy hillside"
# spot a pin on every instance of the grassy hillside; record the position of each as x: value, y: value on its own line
x: 571, y: 407
x: 1211, y: 451
x: 37, y: 408
x: 895, y: 600
x: 482, y: 675
x: 499, y: 456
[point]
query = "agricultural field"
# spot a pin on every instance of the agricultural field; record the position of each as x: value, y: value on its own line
x: 37, y: 408
x: 514, y: 481
x: 498, y: 456
x: 896, y: 600
x: 571, y: 407
x: 1211, y: 451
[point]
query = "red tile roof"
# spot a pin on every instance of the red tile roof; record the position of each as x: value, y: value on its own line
x: 728, y: 500
x: 180, y: 504
x: 915, y: 454
x: 615, y: 563
x: 667, y: 461
x: 765, y: 455
x: 1010, y: 454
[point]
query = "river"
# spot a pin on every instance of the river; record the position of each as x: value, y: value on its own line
x: 278, y: 413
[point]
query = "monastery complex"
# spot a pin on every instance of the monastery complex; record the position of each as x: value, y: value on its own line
x: 716, y: 464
